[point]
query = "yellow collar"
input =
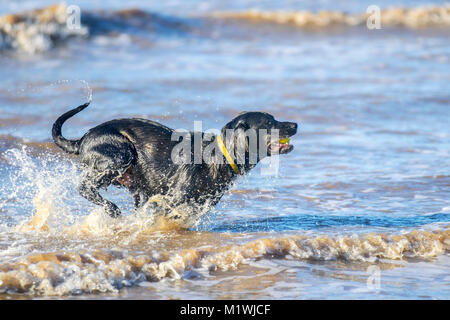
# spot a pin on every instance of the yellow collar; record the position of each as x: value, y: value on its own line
x: 227, y: 155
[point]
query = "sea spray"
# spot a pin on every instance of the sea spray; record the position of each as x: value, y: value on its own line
x: 40, y: 30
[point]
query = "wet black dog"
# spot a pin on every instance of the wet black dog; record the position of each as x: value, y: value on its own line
x: 138, y: 154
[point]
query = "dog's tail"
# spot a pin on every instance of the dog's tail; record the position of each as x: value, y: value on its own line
x: 69, y: 146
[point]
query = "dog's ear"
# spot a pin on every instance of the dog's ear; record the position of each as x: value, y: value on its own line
x: 241, y: 140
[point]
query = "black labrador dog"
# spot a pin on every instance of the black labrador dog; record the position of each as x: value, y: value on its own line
x: 138, y: 154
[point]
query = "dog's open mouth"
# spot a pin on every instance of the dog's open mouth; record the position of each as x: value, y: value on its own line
x: 281, y: 147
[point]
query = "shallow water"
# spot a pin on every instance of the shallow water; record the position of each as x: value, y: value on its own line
x: 364, y: 193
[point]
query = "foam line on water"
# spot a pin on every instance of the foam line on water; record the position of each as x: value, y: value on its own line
x: 99, y: 270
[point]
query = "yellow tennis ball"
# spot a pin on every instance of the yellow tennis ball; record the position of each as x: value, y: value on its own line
x: 284, y: 140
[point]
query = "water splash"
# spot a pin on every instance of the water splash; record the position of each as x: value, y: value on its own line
x: 102, y: 270
x: 63, y: 246
x: 86, y: 87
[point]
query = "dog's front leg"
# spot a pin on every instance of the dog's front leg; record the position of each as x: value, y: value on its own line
x: 89, y: 189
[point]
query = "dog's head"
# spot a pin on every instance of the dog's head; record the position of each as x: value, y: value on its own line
x: 259, y: 135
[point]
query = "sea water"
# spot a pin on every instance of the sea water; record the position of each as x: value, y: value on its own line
x: 358, y: 210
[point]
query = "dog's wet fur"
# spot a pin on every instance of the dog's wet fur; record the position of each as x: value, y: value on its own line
x: 136, y: 154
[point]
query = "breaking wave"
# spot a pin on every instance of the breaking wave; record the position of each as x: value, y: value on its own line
x: 66, y: 272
